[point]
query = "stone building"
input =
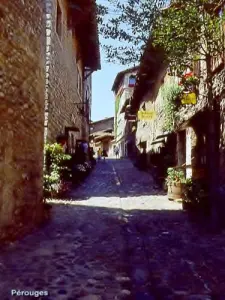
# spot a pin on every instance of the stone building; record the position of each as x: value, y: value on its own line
x: 22, y: 85
x: 102, y: 135
x: 193, y: 124
x: 186, y: 143
x: 219, y: 89
x: 147, y: 105
x: 123, y: 89
x: 73, y: 52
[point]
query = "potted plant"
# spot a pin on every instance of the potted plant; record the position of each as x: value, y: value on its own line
x: 55, y: 169
x: 195, y: 196
x: 188, y: 197
x: 175, y: 180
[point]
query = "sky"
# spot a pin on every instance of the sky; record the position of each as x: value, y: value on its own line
x: 102, y: 81
x: 102, y: 96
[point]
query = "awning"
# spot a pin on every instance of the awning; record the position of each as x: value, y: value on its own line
x: 102, y: 132
x: 158, y: 141
x: 161, y: 138
x: 165, y: 134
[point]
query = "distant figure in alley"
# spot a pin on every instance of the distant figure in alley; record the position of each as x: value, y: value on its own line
x: 99, y: 154
x: 104, y: 154
x: 117, y: 151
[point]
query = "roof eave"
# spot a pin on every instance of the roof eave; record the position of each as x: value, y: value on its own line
x: 87, y: 9
x: 120, y: 75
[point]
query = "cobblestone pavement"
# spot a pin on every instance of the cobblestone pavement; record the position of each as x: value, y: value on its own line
x: 116, y: 238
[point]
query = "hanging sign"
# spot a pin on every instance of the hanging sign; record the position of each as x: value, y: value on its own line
x: 189, y: 98
x: 146, y: 115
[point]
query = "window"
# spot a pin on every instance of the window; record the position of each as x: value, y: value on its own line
x: 59, y: 21
x: 132, y: 80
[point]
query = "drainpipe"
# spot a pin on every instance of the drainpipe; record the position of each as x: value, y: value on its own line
x: 49, y: 7
x: 48, y: 15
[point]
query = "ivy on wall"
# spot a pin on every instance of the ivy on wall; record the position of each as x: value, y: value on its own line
x: 171, y: 102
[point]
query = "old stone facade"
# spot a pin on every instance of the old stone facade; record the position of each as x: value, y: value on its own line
x: 101, y: 125
x: 65, y: 72
x: 148, y: 130
x: 68, y: 84
x: 88, y: 104
x: 22, y: 83
x: 195, y: 117
x: 123, y: 88
x: 102, y: 135
x: 219, y: 93
x: 190, y: 124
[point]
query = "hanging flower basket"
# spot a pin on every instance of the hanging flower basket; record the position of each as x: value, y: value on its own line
x: 189, y: 82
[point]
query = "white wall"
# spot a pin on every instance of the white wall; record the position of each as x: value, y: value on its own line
x: 121, y: 122
x: 188, y: 152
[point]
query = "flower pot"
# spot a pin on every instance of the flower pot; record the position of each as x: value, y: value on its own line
x: 174, y: 191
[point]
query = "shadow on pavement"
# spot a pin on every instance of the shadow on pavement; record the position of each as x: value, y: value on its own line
x: 87, y: 250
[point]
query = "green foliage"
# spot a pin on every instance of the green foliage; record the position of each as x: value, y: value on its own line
x: 189, y: 31
x: 117, y: 104
x: 129, y: 22
x: 55, y: 160
x: 101, y: 12
x: 175, y: 176
x: 171, y: 102
x: 189, y: 82
x: 196, y: 195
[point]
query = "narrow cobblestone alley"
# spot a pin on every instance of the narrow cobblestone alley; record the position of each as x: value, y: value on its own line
x: 116, y: 238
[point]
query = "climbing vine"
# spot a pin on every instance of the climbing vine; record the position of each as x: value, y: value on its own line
x: 171, y: 102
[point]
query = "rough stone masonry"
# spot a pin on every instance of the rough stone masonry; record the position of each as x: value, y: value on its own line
x: 65, y: 66
x: 22, y: 85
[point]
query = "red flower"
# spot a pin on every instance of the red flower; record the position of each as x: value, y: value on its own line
x: 188, y: 74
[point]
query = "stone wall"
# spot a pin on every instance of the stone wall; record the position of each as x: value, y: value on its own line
x: 188, y: 112
x: 181, y: 147
x: 104, y: 124
x: 219, y: 90
x: 88, y: 101
x: 152, y: 101
x: 63, y: 77
x: 22, y: 79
